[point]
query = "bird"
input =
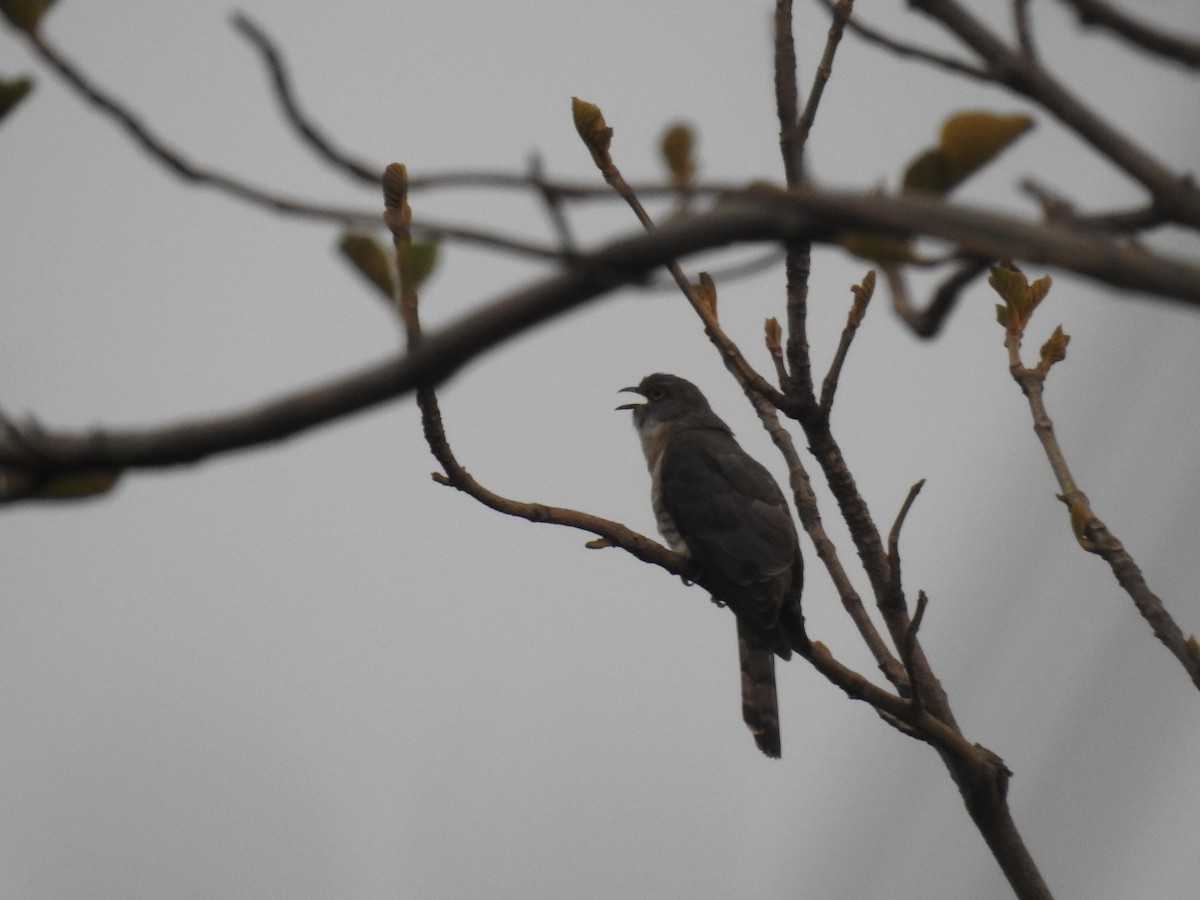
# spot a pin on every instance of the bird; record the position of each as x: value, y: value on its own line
x: 718, y: 505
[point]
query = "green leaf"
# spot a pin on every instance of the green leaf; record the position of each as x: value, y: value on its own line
x: 417, y: 261
x: 1020, y: 297
x: 968, y: 141
x: 1055, y: 348
x: 371, y: 260
x: 1011, y: 284
x: 677, y: 144
x: 929, y: 173
x: 973, y: 138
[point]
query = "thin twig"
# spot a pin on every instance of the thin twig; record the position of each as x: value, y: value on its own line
x: 787, y: 95
x: 703, y: 303
x: 927, y: 322
x: 552, y: 202
x: 810, y: 517
x: 912, y: 51
x: 841, y: 15
x: 305, y: 127
x: 1160, y: 42
x: 858, y: 308
x: 1090, y: 531
x: 399, y: 217
x: 893, y: 543
x: 1024, y: 28
x: 907, y: 651
x: 798, y: 384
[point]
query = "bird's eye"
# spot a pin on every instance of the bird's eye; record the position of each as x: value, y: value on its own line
x: 656, y: 393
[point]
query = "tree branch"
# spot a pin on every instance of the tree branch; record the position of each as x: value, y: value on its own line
x: 1161, y: 43
x: 1175, y: 196
x: 307, y: 129
x: 750, y: 217
x: 1090, y: 531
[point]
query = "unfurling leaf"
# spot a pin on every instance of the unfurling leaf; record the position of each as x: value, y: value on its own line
x: 929, y: 173
x: 1010, y: 283
x: 25, y: 14
x: 370, y: 258
x: 971, y: 139
x: 12, y: 93
x: 594, y: 131
x: 968, y: 141
x: 1055, y: 348
x: 416, y: 262
x: 1020, y: 297
x: 676, y: 146
x: 1037, y: 292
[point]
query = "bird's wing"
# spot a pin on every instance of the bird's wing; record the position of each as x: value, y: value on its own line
x: 732, y: 516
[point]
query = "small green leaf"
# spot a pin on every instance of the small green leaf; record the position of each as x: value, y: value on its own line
x: 12, y: 93
x: 417, y: 261
x: 968, y: 141
x: 1020, y: 297
x: 972, y: 138
x: 1055, y: 348
x: 677, y: 144
x: 371, y: 260
x: 929, y: 173
x: 1010, y: 284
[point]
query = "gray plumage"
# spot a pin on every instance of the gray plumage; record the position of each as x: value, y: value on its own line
x: 718, y: 505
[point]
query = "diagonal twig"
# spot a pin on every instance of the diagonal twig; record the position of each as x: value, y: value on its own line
x: 1158, y: 41
x: 1090, y: 531
x: 305, y: 127
x: 858, y: 308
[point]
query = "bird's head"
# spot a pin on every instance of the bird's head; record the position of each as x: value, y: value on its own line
x: 669, y: 398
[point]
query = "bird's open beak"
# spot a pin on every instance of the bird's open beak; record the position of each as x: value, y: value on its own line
x: 631, y: 390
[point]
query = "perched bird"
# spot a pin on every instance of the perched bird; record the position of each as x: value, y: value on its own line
x: 719, y: 506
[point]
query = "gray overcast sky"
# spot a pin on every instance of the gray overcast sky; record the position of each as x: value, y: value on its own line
x: 310, y: 672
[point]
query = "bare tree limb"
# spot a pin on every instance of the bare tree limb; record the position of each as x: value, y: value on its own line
x: 751, y: 217
x: 912, y: 51
x: 1090, y: 531
x: 1159, y: 42
x: 1024, y: 28
x: 804, y: 122
x: 858, y: 308
x: 309, y: 132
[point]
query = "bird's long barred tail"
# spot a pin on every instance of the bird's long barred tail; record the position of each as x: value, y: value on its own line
x: 760, y: 704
